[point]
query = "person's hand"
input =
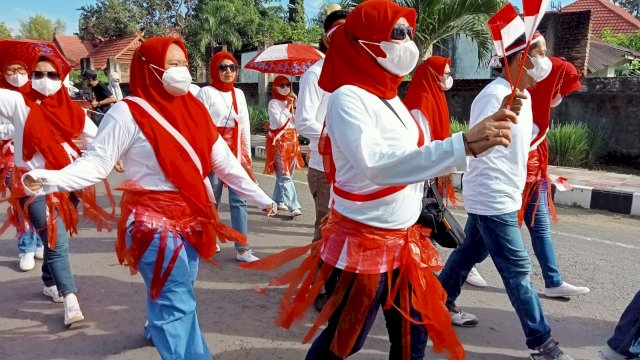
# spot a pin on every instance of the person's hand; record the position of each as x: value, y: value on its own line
x: 80, y: 144
x: 516, y: 106
x: 271, y: 210
x: 32, y: 184
x: 493, y: 131
x: 94, y: 104
x: 292, y: 99
x: 119, y: 167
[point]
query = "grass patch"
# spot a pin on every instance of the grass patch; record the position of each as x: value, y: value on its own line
x: 258, y: 117
x: 458, y: 126
x: 574, y: 144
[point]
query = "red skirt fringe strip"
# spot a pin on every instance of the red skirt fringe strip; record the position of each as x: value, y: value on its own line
x: 367, y: 247
x: 232, y: 138
x: 288, y: 147
x: 169, y: 212
x: 536, y: 176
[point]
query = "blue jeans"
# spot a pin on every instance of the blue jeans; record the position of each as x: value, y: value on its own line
x: 320, y: 349
x: 237, y: 205
x: 173, y: 322
x: 285, y: 190
x: 626, y: 338
x: 56, y: 267
x: 28, y: 242
x: 541, y: 236
x: 500, y: 237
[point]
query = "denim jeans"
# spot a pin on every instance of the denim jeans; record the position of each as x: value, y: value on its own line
x: 626, y: 338
x: 28, y: 242
x: 320, y: 349
x: 237, y: 205
x: 285, y: 190
x: 56, y: 267
x: 500, y: 237
x: 541, y: 236
x: 173, y: 321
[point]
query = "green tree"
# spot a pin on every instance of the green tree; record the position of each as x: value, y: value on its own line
x: 5, y: 32
x: 107, y: 19
x: 632, y: 6
x: 629, y: 41
x: 40, y: 27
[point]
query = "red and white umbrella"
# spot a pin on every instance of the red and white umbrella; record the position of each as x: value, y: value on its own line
x: 286, y: 59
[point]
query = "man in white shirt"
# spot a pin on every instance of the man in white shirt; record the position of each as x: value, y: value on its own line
x: 492, y: 190
x: 309, y: 120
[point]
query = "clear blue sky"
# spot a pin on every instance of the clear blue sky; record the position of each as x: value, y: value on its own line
x: 16, y: 10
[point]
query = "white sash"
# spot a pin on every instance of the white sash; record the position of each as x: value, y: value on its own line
x: 178, y: 136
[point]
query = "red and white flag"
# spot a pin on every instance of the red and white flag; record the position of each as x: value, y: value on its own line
x: 506, y: 26
x: 534, y: 10
x: 561, y: 183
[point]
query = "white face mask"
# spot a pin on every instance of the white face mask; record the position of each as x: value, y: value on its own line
x: 176, y: 80
x: 447, y: 84
x: 556, y: 101
x: 284, y: 91
x: 17, y: 80
x: 46, y: 86
x: 541, y: 68
x: 401, y: 58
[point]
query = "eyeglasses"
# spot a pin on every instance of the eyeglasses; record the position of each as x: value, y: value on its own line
x: 284, y: 86
x: 51, y: 75
x: 15, y: 70
x: 230, y: 67
x: 400, y: 32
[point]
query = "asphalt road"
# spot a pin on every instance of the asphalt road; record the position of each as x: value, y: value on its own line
x: 600, y: 250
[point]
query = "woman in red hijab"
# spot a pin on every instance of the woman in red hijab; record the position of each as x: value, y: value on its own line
x: 537, y: 205
x: 377, y: 159
x: 282, y: 146
x: 228, y: 109
x: 169, y: 145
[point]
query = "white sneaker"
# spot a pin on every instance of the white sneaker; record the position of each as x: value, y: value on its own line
x: 52, y: 292
x: 296, y: 213
x: 475, y: 279
x: 565, y: 290
x: 463, y: 319
x: 72, y: 312
x: 218, y: 248
x: 607, y: 353
x: 247, y: 256
x: 27, y: 261
x: 40, y: 252
x: 283, y: 207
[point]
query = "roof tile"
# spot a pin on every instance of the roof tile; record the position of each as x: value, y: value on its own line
x: 606, y: 15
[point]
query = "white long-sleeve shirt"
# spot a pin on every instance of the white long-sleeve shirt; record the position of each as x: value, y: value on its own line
x: 220, y: 106
x: 495, y: 181
x: 372, y: 149
x: 311, y: 111
x: 119, y: 137
x: 14, y: 109
x: 6, y: 128
x: 279, y: 114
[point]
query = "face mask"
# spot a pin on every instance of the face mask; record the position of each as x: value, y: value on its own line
x: 284, y: 91
x: 401, y: 58
x: 556, y: 101
x: 176, y: 80
x: 447, y: 84
x: 17, y: 80
x: 46, y: 86
x: 541, y: 68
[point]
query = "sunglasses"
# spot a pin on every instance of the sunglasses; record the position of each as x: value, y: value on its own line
x: 51, y: 75
x: 16, y: 70
x: 230, y: 67
x: 284, y: 86
x: 400, y: 32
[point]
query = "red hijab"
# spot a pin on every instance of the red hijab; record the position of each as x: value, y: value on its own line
x: 279, y: 80
x: 214, y: 72
x: 564, y: 79
x: 348, y: 63
x: 13, y: 58
x: 62, y: 120
x: 425, y: 94
x: 185, y: 113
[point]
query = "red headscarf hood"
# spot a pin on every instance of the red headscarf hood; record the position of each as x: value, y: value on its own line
x: 425, y: 94
x: 279, y: 80
x: 563, y: 79
x: 62, y: 120
x: 12, y: 58
x: 348, y: 63
x: 185, y: 113
x: 216, y: 82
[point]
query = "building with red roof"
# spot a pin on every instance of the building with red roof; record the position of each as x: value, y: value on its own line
x: 605, y: 15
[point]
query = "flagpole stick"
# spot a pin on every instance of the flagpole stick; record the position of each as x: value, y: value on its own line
x: 515, y: 86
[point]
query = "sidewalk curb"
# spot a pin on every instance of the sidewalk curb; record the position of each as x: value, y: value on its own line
x: 258, y: 152
x: 588, y: 197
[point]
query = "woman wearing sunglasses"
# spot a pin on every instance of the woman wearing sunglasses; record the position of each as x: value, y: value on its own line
x: 168, y: 217
x: 230, y: 114
x: 377, y: 160
x: 282, y: 146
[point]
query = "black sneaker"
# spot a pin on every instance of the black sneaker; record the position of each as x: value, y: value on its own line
x: 321, y: 299
x: 550, y: 351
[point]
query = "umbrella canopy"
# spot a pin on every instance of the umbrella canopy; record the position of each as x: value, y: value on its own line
x: 286, y: 59
x: 28, y: 51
